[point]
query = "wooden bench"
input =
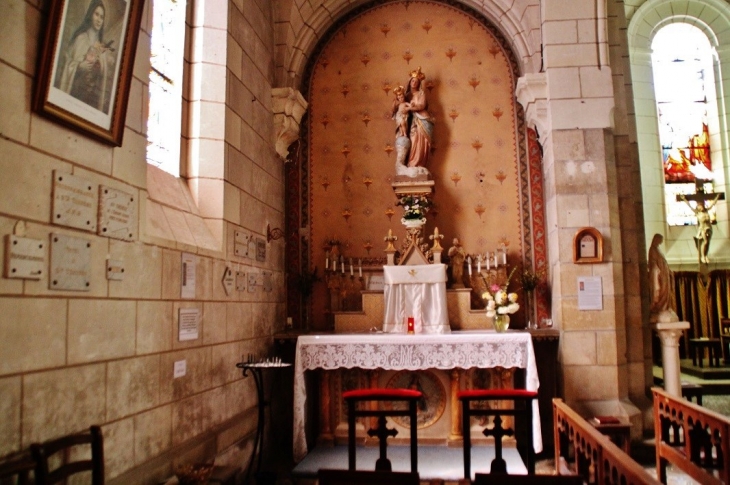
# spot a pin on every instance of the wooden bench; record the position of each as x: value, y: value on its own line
x: 692, y: 438
x: 582, y: 449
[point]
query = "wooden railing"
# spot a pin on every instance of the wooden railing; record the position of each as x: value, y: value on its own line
x: 692, y: 438
x: 583, y: 450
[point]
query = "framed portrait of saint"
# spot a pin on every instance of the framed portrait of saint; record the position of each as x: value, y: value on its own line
x: 86, y: 63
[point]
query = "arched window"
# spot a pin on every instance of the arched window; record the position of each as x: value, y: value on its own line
x: 166, y: 79
x: 684, y: 87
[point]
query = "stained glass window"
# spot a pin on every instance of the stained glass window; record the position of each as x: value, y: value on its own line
x: 166, y: 74
x: 684, y: 88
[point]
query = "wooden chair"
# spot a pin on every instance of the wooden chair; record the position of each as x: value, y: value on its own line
x: 70, y: 463
x: 504, y: 479
x: 409, y: 396
x: 17, y: 471
x: 522, y: 400
x: 352, y: 477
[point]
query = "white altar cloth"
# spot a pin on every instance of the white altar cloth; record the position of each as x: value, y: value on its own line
x: 463, y: 350
x: 417, y: 291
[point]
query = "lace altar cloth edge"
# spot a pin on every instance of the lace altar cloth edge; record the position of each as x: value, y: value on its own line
x: 411, y: 352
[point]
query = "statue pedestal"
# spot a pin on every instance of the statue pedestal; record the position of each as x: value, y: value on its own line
x: 669, y: 333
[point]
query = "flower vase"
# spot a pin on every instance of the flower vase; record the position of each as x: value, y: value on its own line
x: 413, y: 223
x: 501, y: 322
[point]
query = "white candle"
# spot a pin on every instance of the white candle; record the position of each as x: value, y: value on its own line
x: 496, y: 263
x: 352, y: 272
x: 479, y: 265
x: 468, y: 264
x: 342, y: 264
x: 489, y: 266
x: 327, y: 260
x: 359, y: 267
x: 504, y: 257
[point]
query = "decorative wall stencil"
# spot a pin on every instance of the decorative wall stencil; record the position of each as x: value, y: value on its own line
x: 325, y: 120
x: 365, y: 118
x: 494, y: 49
x: 367, y: 181
x: 450, y: 53
x: 75, y: 201
x: 70, y: 263
x: 385, y: 28
x: 474, y: 82
x: 24, y: 257
x: 477, y: 144
x: 427, y: 25
x: 365, y: 59
x: 388, y: 148
x: 345, y: 150
x: 453, y: 114
x: 455, y: 177
x: 368, y: 245
x: 345, y: 89
x: 479, y: 209
x: 346, y: 213
x: 117, y: 214
x: 497, y: 112
x: 407, y: 56
x: 389, y: 213
x: 325, y: 183
x: 387, y: 87
x: 500, y: 176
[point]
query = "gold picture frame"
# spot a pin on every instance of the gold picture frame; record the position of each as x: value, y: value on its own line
x: 587, y: 246
x: 86, y: 63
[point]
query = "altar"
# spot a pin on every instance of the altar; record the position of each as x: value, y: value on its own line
x: 456, y: 352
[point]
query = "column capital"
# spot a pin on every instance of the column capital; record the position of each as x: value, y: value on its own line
x: 288, y: 106
x: 531, y: 93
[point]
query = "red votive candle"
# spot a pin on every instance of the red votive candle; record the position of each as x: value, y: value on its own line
x: 410, y: 325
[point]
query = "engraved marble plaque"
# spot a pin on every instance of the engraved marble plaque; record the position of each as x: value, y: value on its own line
x: 267, y: 281
x: 260, y: 249
x: 70, y: 263
x: 252, y: 282
x: 240, y: 281
x: 228, y: 280
x: 240, y: 243
x: 117, y: 214
x: 24, y: 257
x: 74, y: 201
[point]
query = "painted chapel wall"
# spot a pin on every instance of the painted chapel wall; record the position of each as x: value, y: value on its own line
x: 105, y: 356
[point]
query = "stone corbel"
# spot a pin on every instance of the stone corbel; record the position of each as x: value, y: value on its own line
x: 289, y: 106
x: 531, y: 93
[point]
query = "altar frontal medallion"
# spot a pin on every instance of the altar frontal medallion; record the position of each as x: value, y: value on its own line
x: 430, y: 407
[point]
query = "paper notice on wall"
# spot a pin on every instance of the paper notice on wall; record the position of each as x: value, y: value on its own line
x: 590, y: 293
x: 188, y: 319
x: 187, y: 279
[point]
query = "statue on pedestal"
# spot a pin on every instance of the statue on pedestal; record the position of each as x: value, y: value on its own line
x: 704, y: 223
x: 661, y: 284
x: 414, y: 128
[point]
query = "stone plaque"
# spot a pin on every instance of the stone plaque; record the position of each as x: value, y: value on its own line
x: 114, y: 269
x: 70, y: 263
x: 117, y: 214
x: 74, y: 201
x: 240, y: 243
x: 240, y: 281
x: 228, y: 280
x: 253, y: 282
x: 24, y: 257
x: 260, y: 249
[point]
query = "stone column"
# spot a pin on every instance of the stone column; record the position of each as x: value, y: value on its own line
x: 669, y: 334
